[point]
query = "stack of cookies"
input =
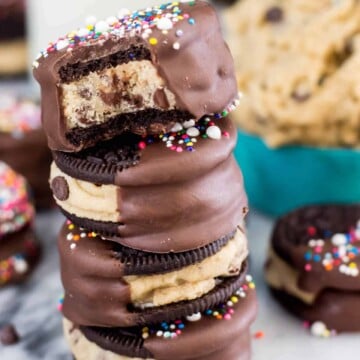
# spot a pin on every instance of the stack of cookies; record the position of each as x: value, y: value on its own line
x: 153, y: 254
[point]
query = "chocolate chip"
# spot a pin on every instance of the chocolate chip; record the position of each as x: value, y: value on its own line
x: 60, y: 188
x: 8, y: 335
x: 300, y: 97
x: 274, y: 14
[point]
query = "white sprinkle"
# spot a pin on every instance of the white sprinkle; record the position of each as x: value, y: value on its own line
x: 249, y: 278
x: 189, y: 124
x: 318, y: 328
x: 176, y: 45
x: 177, y: 127
x: 213, y: 132
x: 69, y: 237
x: 83, y: 32
x: 20, y: 266
x: 342, y: 250
x: 91, y: 20
x: 62, y: 44
x: 339, y: 239
x: 35, y: 64
x: 164, y: 24
x: 179, y: 33
x: 171, y: 138
x: 111, y: 20
x: 159, y: 333
x: 145, y: 335
x: 193, y: 318
x: 312, y: 243
x: 72, y: 246
x: 101, y: 26
x: 193, y: 132
x: 123, y: 12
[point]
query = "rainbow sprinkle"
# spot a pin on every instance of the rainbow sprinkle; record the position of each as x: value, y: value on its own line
x: 171, y: 330
x: 75, y: 234
x: 334, y: 251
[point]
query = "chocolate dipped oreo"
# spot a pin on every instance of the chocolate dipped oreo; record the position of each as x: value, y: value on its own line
x: 138, y: 72
x: 19, y: 250
x: 208, y: 335
x: 313, y: 266
x: 128, y: 287
x: 13, y: 52
x: 23, y: 145
x: 19, y: 254
x: 152, y: 197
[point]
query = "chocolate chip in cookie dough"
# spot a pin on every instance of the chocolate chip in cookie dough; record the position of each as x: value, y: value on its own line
x: 8, y: 335
x: 300, y: 97
x: 275, y: 14
x: 60, y: 188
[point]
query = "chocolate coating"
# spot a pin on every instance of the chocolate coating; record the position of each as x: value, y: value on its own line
x: 96, y: 295
x: 290, y: 239
x: 207, y: 339
x: 12, y: 19
x: 95, y: 255
x: 168, y: 201
x: 337, y: 309
x: 335, y: 293
x: 30, y: 156
x: 201, y: 87
x: 21, y: 242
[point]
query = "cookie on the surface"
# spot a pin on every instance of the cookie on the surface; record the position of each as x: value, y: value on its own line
x: 218, y: 332
x: 130, y: 287
x: 313, y: 266
x: 297, y: 65
x: 137, y: 72
x: 13, y: 50
x: 23, y: 145
x: 178, y: 193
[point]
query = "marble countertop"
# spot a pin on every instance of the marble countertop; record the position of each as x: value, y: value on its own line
x: 32, y: 308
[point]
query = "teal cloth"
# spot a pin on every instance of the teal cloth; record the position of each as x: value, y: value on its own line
x: 280, y: 180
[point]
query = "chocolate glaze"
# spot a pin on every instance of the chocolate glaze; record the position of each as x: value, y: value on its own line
x: 96, y: 294
x: 207, y: 339
x: 339, y: 310
x: 170, y: 201
x: 95, y: 255
x: 201, y: 87
x: 12, y: 19
x: 290, y: 238
x: 21, y: 242
x: 30, y: 157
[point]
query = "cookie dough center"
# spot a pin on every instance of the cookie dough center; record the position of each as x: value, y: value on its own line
x: 192, y: 281
x: 99, y: 96
x: 281, y: 276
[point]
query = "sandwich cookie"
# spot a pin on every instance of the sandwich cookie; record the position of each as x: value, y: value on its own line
x: 313, y: 266
x: 107, y: 284
x: 138, y: 72
x: 220, y: 331
x: 155, y: 199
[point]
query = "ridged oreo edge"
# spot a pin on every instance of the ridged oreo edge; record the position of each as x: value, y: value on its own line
x: 218, y: 295
x: 99, y: 164
x: 137, y: 262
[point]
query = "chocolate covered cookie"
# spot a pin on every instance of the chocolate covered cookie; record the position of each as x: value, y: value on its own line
x: 126, y: 287
x: 138, y: 72
x: 177, y: 192
x: 313, y: 266
x: 218, y: 332
x: 13, y: 50
x: 19, y: 250
x: 23, y: 145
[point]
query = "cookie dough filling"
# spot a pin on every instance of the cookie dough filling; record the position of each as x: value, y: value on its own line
x: 190, y: 282
x: 281, y: 276
x: 101, y: 95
